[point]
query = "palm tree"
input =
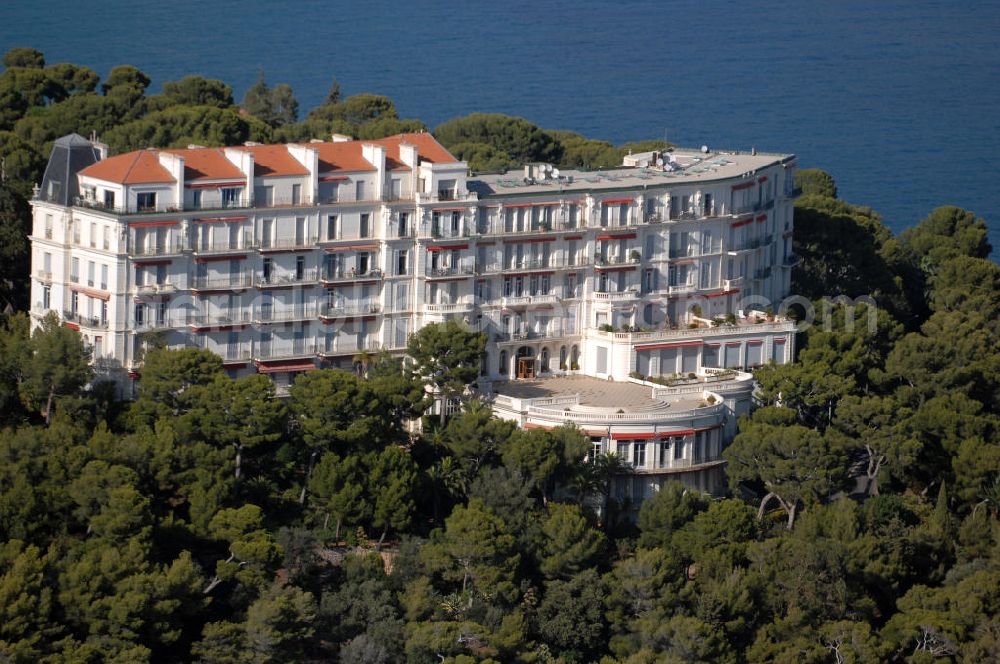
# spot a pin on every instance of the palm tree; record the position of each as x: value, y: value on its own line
x: 596, y: 479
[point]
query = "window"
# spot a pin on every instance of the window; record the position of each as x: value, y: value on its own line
x: 48, y: 227
x: 109, y: 201
x: 140, y: 314
x: 364, y: 225
x: 296, y: 194
x: 47, y: 263
x: 229, y: 196
x: 267, y: 270
x: 98, y: 347
x: 639, y: 454
x: 602, y: 359
x: 678, y: 448
x: 107, y: 238
x: 502, y: 369
x: 91, y: 271
x: 146, y: 200
x: 403, y: 222
x: 46, y: 297
x: 332, y: 227
x: 74, y: 302
x: 664, y: 452
x: 104, y: 277
x: 161, y: 313
x: 597, y: 447
x: 104, y: 312
x: 74, y: 271
x: 300, y: 267
x: 625, y: 451
x: 359, y: 190
x: 401, y: 262
x: 196, y: 199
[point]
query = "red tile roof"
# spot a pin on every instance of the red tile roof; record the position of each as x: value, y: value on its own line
x: 274, y: 160
x: 143, y: 166
x: 140, y: 167
x: 207, y: 164
x: 344, y: 156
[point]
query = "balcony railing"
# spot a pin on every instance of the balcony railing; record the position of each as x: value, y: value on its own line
x: 284, y: 314
x: 223, y: 318
x: 348, y: 309
x: 43, y: 275
x: 444, y: 231
x: 528, y: 300
x: 349, y: 345
x: 328, y: 276
x: 287, y: 279
x: 730, y: 284
x: 288, y: 243
x: 621, y: 296
x: 286, y: 349
x: 85, y: 321
x: 167, y: 248
x: 450, y: 271
x: 448, y: 308
x: 236, y: 247
x: 153, y: 289
x: 225, y: 282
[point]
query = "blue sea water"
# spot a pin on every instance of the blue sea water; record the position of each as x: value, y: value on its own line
x: 898, y: 99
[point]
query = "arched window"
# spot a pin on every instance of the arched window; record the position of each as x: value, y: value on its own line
x: 574, y: 358
x: 545, y: 359
x: 562, y: 358
x: 503, y: 363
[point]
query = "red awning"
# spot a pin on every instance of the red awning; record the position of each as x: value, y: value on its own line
x: 779, y: 340
x: 612, y: 268
x: 351, y: 247
x: 762, y: 217
x: 100, y: 295
x: 285, y: 365
x: 754, y: 342
x: 165, y: 261
x: 617, y: 201
x: 72, y: 326
x: 723, y: 293
x: 734, y: 343
x: 215, y: 185
x: 217, y: 220
x: 573, y: 237
x: 528, y: 274
x: 227, y: 257
x: 147, y: 224
x: 762, y: 178
x: 745, y: 185
x: 632, y: 436
x: 617, y: 236
x: 447, y: 247
x: 737, y: 224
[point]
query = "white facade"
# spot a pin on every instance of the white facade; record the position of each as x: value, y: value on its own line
x: 286, y: 258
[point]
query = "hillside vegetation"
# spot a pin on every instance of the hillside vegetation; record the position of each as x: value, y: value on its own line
x: 209, y: 521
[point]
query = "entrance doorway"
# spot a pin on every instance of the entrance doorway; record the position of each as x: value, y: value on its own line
x: 525, y: 363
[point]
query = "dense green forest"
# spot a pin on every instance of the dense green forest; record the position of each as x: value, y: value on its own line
x: 209, y: 521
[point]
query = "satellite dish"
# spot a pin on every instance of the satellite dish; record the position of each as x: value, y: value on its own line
x: 704, y: 149
x: 555, y: 172
x: 659, y: 161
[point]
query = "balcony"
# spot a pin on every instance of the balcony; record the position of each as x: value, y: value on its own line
x: 267, y: 315
x: 348, y: 310
x: 286, y: 350
x: 349, y: 345
x: 448, y: 307
x: 500, y: 228
x: 85, y: 321
x: 44, y: 276
x: 731, y: 284
x: 287, y: 244
x: 443, y: 231
x: 681, y: 289
x: 219, y: 319
x: 225, y: 282
x: 620, y: 296
x: 155, y: 289
x: 287, y: 280
x: 528, y: 300
x: 329, y: 277
x: 622, y: 259
x: 159, y: 323
x: 222, y: 248
x: 169, y: 248
x: 450, y: 271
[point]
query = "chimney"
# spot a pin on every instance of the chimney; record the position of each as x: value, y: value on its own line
x: 341, y: 138
x: 174, y: 163
x: 408, y: 155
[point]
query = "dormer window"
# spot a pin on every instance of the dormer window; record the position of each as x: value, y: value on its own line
x: 146, y: 200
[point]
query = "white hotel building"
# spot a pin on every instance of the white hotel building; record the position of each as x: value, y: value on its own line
x: 285, y: 258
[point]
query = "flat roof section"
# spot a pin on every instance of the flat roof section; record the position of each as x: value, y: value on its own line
x: 692, y: 167
x: 592, y: 391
